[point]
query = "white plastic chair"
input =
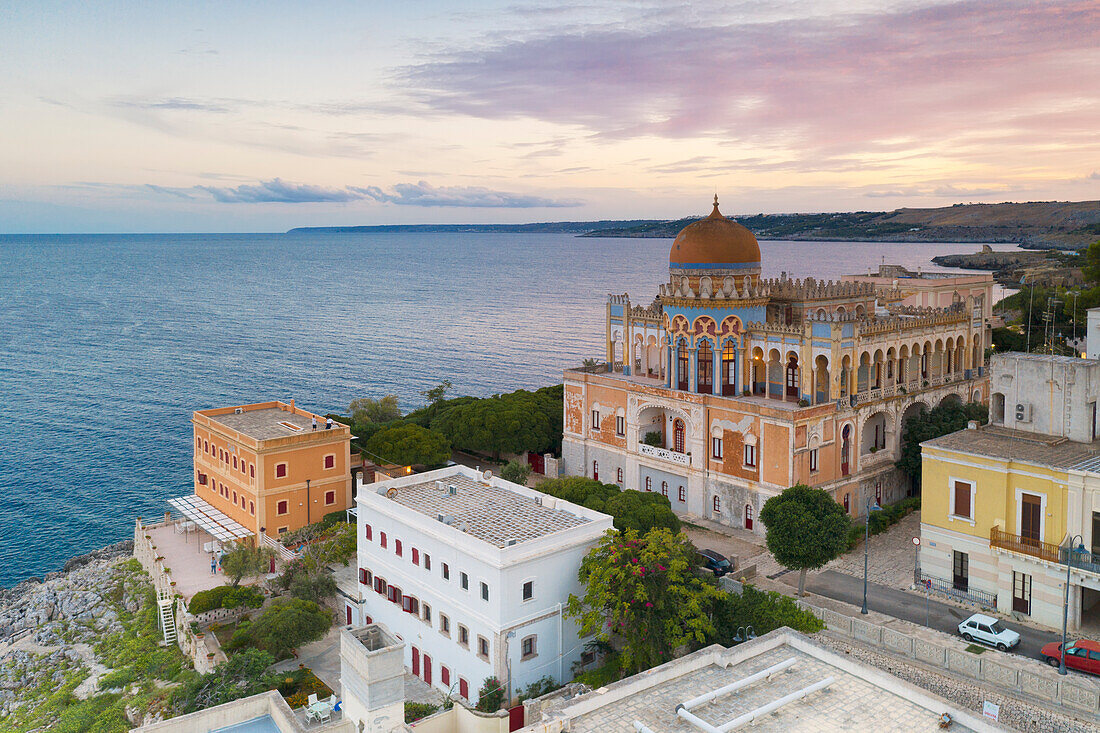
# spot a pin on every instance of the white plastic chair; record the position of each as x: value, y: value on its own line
x: 312, y: 700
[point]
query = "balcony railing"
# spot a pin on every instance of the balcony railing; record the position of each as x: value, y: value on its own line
x: 664, y: 454
x: 1025, y: 545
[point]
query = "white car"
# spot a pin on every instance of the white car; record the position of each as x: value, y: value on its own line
x: 988, y: 630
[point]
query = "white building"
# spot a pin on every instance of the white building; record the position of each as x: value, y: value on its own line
x: 472, y: 573
x: 1092, y: 333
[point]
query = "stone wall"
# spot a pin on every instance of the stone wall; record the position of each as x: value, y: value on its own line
x: 1028, y: 678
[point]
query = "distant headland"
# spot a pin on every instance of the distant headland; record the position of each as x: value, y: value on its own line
x: 1032, y: 225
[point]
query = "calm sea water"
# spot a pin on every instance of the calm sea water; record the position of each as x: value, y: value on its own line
x: 108, y: 342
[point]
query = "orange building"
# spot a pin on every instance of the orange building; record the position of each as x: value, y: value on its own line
x: 271, y: 466
x: 728, y: 387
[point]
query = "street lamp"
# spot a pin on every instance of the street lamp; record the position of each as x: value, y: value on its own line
x: 1071, y: 550
x: 871, y: 507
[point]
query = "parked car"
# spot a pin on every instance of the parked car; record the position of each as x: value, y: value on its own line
x: 715, y: 562
x: 1082, y: 654
x: 988, y: 630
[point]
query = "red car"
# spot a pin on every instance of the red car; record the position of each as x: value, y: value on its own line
x: 1083, y: 655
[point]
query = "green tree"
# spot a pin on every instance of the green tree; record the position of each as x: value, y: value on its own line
x: 438, y: 392
x: 307, y: 584
x: 283, y: 626
x: 516, y: 472
x: 637, y: 510
x: 244, y: 561
x: 806, y: 528
x: 947, y: 417
x: 371, y: 410
x: 411, y: 445
x: 642, y: 595
x: 243, y: 675
x: 490, y: 698
x: 1091, y: 270
x: 508, y: 423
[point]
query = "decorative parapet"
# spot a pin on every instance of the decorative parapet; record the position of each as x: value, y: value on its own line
x: 795, y: 329
x: 664, y: 454
x: 785, y: 288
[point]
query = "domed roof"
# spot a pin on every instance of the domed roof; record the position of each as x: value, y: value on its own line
x: 714, y: 242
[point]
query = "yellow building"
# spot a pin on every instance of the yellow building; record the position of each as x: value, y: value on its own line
x: 1002, y: 503
x: 271, y: 467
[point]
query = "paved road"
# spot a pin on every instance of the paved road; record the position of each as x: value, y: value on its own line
x: 910, y: 607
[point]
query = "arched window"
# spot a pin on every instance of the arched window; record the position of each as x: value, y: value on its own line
x: 748, y: 516
x: 683, y: 494
x: 717, y: 505
x: 648, y: 483
x: 678, y: 435
x: 705, y: 365
x: 846, y: 503
x: 596, y: 470
x: 792, y: 376
x: 729, y: 369
x: 682, y: 367
x: 664, y: 488
x: 845, y: 450
x: 619, y: 476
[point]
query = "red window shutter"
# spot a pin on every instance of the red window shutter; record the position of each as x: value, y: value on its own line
x: 382, y: 538
x: 367, y: 530
x: 415, y: 556
x: 463, y: 688
x: 445, y: 676
x: 397, y: 547
x: 962, y: 499
x: 362, y: 576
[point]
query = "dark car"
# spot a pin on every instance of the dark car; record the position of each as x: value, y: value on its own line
x: 1083, y: 655
x: 715, y: 562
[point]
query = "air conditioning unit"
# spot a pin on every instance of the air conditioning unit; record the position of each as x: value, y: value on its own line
x: 1023, y: 412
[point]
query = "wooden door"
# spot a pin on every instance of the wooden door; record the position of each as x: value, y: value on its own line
x: 792, y: 378
x: 1021, y: 593
x: 678, y: 436
x: 1031, y: 518
x: 427, y: 669
x: 416, y: 661
x: 961, y: 571
x: 515, y: 718
x: 748, y: 516
x: 348, y: 609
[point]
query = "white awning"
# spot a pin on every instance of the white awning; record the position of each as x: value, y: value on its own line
x: 210, y: 519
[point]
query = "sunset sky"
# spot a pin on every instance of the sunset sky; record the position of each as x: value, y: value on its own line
x: 261, y: 116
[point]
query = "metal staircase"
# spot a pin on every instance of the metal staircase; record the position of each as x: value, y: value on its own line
x: 167, y: 610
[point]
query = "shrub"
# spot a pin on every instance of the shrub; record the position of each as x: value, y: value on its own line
x: 516, y: 472
x: 418, y: 710
x: 243, y: 596
x: 544, y: 686
x: 491, y: 695
x: 118, y: 678
x: 282, y: 627
x: 763, y: 610
x: 882, y: 520
x: 653, y: 438
x: 207, y: 600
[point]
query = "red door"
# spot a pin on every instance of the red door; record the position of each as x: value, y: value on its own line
x: 678, y: 435
x: 348, y: 609
x: 515, y: 718
x: 748, y: 516
x: 427, y: 669
x: 416, y: 662
x: 536, y: 462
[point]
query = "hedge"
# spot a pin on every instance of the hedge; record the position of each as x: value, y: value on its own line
x: 882, y: 520
x: 225, y: 596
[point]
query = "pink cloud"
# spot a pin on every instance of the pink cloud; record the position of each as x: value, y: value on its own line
x: 826, y: 86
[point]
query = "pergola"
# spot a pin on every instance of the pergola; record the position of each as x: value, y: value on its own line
x: 210, y: 519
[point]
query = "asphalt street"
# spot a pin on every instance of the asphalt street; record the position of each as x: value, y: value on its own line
x: 910, y: 607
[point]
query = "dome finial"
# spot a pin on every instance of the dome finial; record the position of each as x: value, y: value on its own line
x: 716, y: 214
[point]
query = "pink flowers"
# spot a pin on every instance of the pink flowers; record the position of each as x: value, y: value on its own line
x: 648, y: 604
x: 661, y: 568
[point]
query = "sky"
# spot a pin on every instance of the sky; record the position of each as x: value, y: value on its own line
x: 262, y: 116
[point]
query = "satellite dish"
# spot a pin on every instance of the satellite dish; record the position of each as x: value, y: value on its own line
x: 488, y: 475
x: 391, y: 493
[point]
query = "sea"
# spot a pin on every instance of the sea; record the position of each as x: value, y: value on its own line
x: 109, y: 342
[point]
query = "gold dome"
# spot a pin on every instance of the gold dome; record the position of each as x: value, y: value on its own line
x: 714, y: 243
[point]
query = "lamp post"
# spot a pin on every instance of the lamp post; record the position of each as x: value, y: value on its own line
x: 872, y: 506
x: 1076, y: 544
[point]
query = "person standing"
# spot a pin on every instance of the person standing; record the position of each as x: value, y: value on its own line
x: 328, y: 424
x: 213, y: 565
x: 314, y: 422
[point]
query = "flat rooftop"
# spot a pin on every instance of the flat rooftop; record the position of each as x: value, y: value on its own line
x: 267, y: 423
x: 997, y: 441
x: 1047, y: 358
x: 859, y: 698
x: 492, y: 514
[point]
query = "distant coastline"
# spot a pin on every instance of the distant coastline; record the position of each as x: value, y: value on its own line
x: 1032, y: 225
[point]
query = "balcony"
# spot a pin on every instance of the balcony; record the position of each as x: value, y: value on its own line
x: 683, y: 459
x: 1046, y: 551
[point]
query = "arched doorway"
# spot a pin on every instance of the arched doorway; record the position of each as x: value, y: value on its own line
x: 996, y: 408
x: 729, y: 369
x: 748, y: 516
x: 678, y: 435
x: 705, y: 365
x: 682, y: 368
x: 792, y: 377
x: 845, y: 449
